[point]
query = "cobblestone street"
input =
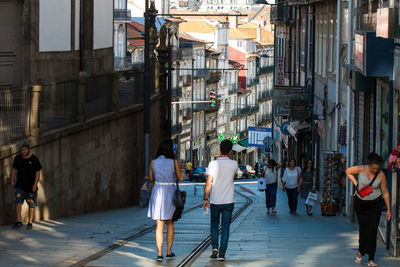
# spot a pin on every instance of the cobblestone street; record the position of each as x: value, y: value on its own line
x: 256, y: 239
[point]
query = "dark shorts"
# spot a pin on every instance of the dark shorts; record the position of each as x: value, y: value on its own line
x: 21, y: 195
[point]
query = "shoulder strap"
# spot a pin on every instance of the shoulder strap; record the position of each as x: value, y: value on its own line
x: 176, y: 178
x: 373, y: 180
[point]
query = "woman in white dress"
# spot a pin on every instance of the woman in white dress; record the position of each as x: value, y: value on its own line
x: 161, y: 205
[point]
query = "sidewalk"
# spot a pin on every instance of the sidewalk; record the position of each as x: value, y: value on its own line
x: 64, y: 241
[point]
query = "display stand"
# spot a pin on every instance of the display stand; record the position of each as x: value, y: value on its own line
x: 332, y: 187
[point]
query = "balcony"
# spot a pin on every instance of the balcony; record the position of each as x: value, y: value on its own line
x: 281, y: 14
x: 266, y: 69
x: 248, y: 110
x: 215, y: 76
x: 176, y: 129
x: 187, y: 114
x: 201, y: 73
x: 233, y: 88
x: 122, y: 15
x: 265, y: 119
x: 266, y: 95
x: 176, y: 92
x: 253, y: 82
x: 187, y: 80
x: 198, y: 107
x: 176, y: 55
x: 243, y: 134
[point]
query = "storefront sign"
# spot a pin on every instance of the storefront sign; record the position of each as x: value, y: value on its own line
x: 359, y: 51
x: 257, y: 136
x: 299, y: 109
x: 280, y: 71
x: 282, y: 99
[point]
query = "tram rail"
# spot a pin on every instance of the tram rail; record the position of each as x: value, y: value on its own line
x: 189, y: 259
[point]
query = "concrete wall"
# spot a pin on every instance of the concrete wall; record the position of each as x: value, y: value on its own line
x: 88, y: 167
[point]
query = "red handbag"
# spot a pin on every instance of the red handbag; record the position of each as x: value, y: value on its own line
x: 366, y: 190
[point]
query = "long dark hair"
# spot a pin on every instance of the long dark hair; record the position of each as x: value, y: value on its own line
x: 306, y: 167
x: 272, y: 162
x: 165, y: 149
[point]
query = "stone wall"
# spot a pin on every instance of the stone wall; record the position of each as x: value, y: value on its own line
x: 87, y: 167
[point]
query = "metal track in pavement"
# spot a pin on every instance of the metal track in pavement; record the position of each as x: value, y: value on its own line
x: 123, y: 242
x: 189, y: 259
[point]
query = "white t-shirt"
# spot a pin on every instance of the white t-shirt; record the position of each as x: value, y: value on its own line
x: 222, y: 171
x: 270, y: 175
x: 290, y: 177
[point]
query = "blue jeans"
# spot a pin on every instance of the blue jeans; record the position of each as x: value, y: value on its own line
x: 270, y: 195
x: 216, y: 210
x: 292, y: 194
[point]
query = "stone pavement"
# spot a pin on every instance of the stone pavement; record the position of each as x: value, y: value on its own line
x: 256, y: 239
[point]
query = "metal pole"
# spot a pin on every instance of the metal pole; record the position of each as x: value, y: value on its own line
x: 169, y: 86
x: 349, y: 161
x: 146, y: 90
x: 338, y: 40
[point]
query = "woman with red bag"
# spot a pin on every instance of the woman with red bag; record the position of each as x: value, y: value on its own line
x: 368, y: 203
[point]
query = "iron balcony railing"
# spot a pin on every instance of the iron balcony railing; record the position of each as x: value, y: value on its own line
x: 214, y: 77
x: 253, y: 81
x: 281, y: 14
x: 122, y: 15
x: 202, y: 73
x: 187, y: 80
x: 176, y: 128
x: 265, y: 118
x: 200, y: 107
x: 243, y: 134
x: 176, y: 55
x: 266, y: 69
x: 244, y: 111
x: 233, y: 88
x: 176, y: 92
x: 265, y: 95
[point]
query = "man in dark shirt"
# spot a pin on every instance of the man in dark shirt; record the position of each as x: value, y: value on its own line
x: 27, y: 167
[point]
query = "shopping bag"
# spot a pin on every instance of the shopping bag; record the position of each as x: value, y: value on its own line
x: 261, y: 183
x: 309, y: 202
x: 312, y: 197
x: 145, y: 193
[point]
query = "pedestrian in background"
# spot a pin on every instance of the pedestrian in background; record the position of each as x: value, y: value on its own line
x: 188, y: 168
x: 271, y: 180
x: 308, y: 184
x: 27, y: 168
x: 368, y: 206
x: 291, y: 182
x: 219, y: 196
x: 161, y: 205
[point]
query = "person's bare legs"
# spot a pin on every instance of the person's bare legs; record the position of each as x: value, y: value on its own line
x: 170, y: 236
x: 31, y: 214
x: 160, y: 236
x: 18, y: 211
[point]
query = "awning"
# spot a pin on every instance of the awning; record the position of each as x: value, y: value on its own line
x: 238, y: 148
x: 244, y: 142
x: 296, y: 126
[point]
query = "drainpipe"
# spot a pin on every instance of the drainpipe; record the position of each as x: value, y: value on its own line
x: 349, y: 156
x: 338, y: 41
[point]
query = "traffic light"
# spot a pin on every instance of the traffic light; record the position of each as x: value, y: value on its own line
x: 213, y: 100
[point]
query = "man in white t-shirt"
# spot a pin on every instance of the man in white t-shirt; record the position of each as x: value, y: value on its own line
x: 219, y: 192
